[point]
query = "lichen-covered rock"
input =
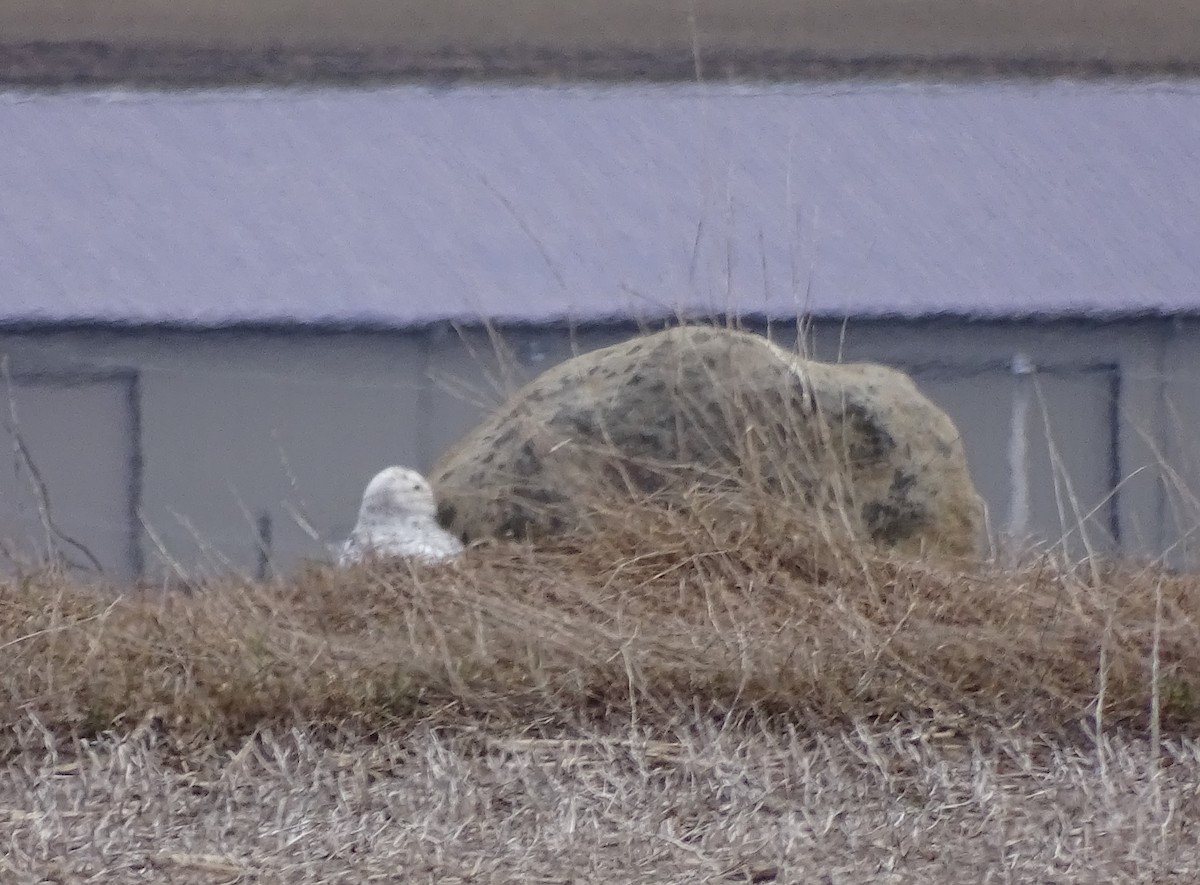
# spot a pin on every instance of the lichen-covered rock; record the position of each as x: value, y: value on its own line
x: 664, y: 412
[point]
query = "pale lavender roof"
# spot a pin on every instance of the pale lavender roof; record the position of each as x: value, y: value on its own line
x: 409, y: 205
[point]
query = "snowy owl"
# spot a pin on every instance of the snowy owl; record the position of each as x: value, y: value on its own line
x: 399, y: 518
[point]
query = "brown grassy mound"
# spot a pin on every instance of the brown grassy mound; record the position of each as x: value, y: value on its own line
x: 671, y: 700
x: 658, y: 614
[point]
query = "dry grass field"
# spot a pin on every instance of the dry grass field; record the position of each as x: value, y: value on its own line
x: 677, y: 699
x: 232, y: 41
x: 719, y: 804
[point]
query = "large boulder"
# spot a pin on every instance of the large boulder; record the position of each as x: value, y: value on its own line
x: 661, y: 413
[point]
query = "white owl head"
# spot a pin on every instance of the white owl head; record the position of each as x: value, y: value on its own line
x: 397, y: 492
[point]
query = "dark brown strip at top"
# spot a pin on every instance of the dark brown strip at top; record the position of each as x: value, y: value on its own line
x: 61, y: 64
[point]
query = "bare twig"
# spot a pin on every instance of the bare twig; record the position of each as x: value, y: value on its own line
x: 13, y: 426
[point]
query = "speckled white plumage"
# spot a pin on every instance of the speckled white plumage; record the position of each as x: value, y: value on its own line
x: 398, y: 517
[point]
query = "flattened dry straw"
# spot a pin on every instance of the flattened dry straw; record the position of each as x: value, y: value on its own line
x: 658, y: 612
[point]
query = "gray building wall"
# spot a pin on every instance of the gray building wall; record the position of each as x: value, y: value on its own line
x: 200, y: 452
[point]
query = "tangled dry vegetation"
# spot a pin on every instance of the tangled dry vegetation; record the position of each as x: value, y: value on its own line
x: 679, y: 699
x: 700, y: 804
x: 658, y: 612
